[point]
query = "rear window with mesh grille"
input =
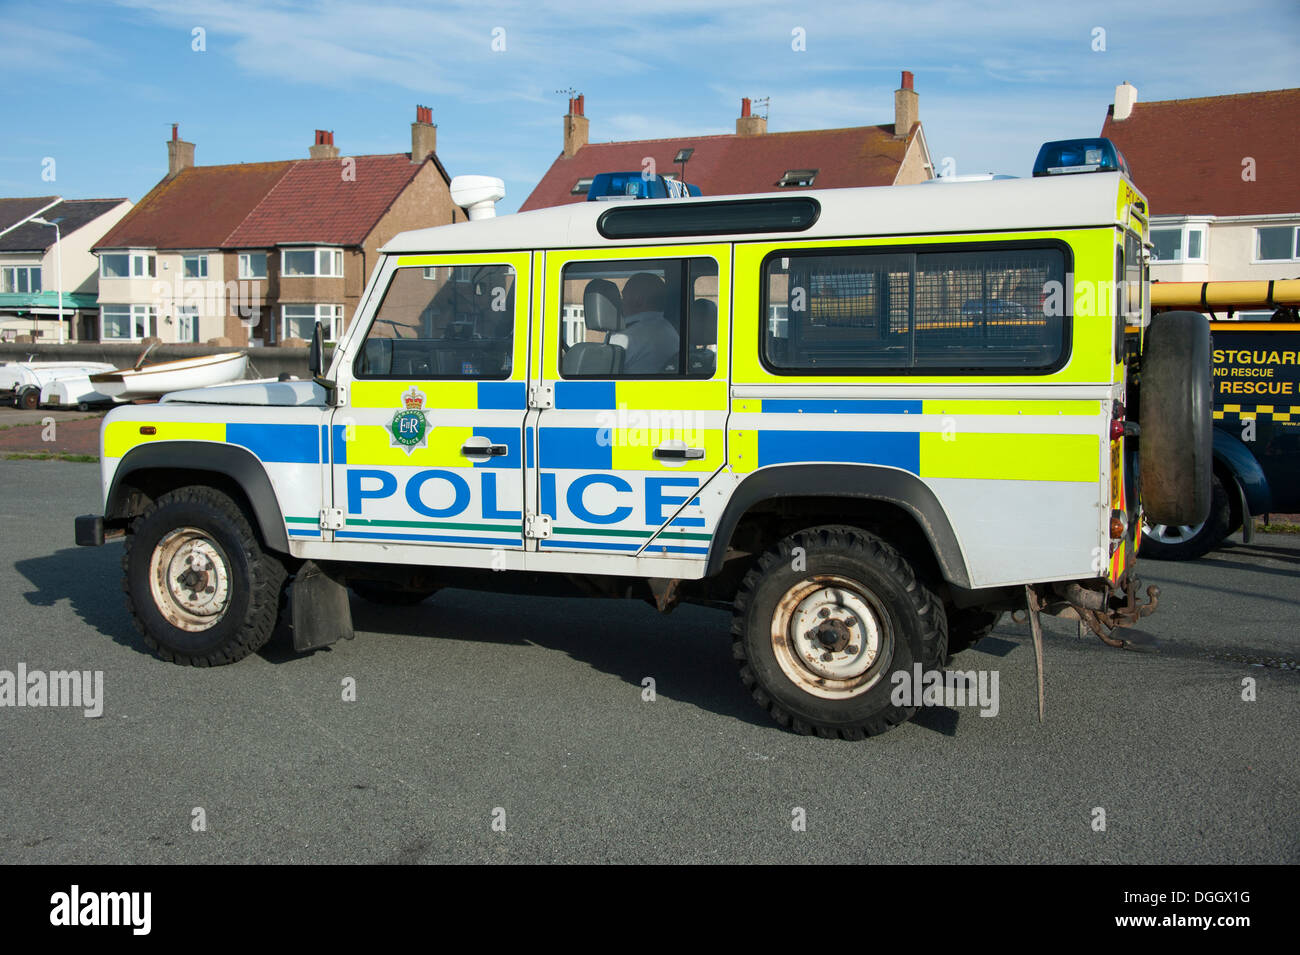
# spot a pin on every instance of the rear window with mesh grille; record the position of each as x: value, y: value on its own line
x: 940, y: 308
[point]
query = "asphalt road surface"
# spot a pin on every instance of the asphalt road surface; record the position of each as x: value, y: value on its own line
x: 473, y: 708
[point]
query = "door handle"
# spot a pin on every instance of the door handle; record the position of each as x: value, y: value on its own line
x: 679, y: 454
x: 484, y: 450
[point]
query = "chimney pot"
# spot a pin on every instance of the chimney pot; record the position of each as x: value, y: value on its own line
x: 748, y: 124
x: 906, y: 107
x: 424, y: 135
x: 576, y: 126
x: 179, y: 153
x: 324, y: 147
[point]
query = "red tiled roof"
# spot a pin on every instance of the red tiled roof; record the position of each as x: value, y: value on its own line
x: 1187, y: 154
x: 727, y: 164
x: 197, y: 208
x: 312, y: 202
x: 255, y: 205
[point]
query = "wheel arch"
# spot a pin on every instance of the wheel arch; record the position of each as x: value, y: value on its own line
x: 898, y: 489
x: 1234, y: 460
x: 151, y: 469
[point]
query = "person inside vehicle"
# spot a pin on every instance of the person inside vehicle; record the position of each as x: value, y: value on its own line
x: 651, y: 341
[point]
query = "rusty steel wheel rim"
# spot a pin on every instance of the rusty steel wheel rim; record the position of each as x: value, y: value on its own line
x: 189, y: 578
x: 832, y: 638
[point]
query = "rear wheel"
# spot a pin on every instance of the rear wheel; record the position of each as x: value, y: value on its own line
x: 1189, y: 541
x: 823, y: 622
x: 29, y: 398
x: 199, y: 585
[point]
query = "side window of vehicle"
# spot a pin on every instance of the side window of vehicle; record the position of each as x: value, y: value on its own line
x: 951, y: 309
x: 443, y: 322
x: 642, y: 318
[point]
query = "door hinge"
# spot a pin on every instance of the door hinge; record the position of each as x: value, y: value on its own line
x: 331, y: 518
x: 537, y: 526
x: 541, y: 396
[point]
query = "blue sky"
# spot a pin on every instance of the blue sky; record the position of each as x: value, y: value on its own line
x: 95, y: 86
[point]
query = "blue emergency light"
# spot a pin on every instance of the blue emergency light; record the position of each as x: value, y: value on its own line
x: 634, y: 185
x: 1066, y: 156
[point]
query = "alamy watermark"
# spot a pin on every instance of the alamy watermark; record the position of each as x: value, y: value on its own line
x: 950, y: 688
x: 53, y: 688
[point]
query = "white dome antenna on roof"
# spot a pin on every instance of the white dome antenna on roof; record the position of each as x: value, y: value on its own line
x: 478, y: 195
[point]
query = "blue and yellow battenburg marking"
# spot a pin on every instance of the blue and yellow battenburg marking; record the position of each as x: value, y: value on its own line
x: 922, y: 450
x: 1258, y: 413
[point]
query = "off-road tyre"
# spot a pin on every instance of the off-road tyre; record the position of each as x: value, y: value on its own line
x: 836, y: 568
x: 212, y: 524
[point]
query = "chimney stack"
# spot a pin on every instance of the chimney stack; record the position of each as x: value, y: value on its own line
x: 1126, y: 97
x: 324, y: 147
x: 748, y: 124
x: 907, y: 109
x: 179, y: 153
x: 576, y: 126
x: 424, y: 134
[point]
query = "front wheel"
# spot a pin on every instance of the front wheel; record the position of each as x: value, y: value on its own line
x: 824, y: 621
x: 199, y: 585
x: 1189, y: 541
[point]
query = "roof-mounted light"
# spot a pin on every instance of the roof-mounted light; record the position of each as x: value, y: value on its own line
x: 1066, y: 156
x: 634, y: 185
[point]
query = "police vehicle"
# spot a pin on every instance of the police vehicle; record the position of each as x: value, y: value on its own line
x: 868, y: 421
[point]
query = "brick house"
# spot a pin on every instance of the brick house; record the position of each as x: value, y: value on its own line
x: 1221, y: 176
x: 751, y: 159
x: 257, y: 253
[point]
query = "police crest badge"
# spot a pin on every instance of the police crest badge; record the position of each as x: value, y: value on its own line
x: 409, y: 428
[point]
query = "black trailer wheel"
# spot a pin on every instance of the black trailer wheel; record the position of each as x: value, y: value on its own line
x: 198, y: 583
x: 821, y: 624
x: 1176, y: 446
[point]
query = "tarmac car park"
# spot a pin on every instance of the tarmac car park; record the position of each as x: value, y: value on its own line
x: 865, y: 419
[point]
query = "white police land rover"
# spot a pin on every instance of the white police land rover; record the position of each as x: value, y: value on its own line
x: 867, y: 420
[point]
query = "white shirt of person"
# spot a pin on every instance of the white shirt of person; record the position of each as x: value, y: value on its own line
x: 652, y: 344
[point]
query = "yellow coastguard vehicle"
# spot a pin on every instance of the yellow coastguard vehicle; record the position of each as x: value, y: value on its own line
x: 868, y: 421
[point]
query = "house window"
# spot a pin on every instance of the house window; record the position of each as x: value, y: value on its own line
x: 311, y: 262
x: 299, y: 321
x: 581, y: 186
x: 125, y: 322
x: 1184, y: 243
x: 196, y: 266
x: 252, y: 265
x: 798, y: 178
x: 114, y: 265
x: 143, y: 265
x: 20, y: 278
x: 1276, y: 244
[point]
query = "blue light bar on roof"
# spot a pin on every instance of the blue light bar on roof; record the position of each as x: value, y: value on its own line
x: 634, y: 185
x: 1066, y: 156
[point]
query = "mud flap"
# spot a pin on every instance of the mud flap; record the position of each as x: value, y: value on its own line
x: 320, y: 612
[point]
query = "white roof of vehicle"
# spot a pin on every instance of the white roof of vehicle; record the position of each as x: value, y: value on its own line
x: 1048, y: 202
